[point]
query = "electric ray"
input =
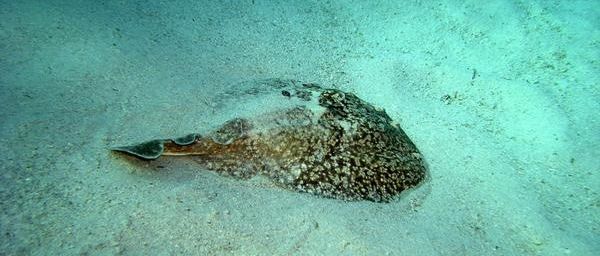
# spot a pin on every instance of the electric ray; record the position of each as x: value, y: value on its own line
x: 310, y: 139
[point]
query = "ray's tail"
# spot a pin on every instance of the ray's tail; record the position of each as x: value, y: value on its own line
x: 153, y: 149
x: 189, y: 145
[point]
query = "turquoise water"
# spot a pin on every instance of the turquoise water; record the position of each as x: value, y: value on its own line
x: 501, y: 98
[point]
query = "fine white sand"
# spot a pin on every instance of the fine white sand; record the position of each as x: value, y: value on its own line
x: 502, y: 99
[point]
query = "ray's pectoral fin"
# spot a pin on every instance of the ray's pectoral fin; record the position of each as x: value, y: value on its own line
x: 153, y: 149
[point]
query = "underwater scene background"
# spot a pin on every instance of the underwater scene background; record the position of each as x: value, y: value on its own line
x: 501, y: 98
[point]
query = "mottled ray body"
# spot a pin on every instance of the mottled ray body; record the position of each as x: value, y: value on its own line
x: 322, y: 141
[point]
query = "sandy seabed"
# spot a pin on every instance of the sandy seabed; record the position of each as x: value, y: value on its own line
x: 502, y: 99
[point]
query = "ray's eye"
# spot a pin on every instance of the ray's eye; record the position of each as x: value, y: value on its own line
x: 332, y: 98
